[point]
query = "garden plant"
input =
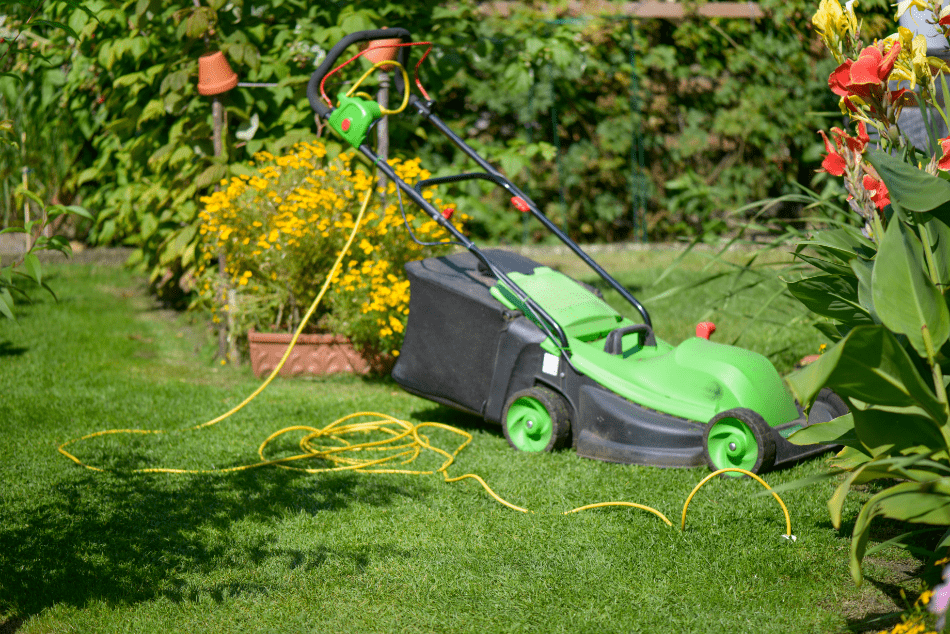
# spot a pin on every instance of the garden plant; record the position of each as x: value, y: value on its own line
x: 881, y: 287
x: 269, y: 237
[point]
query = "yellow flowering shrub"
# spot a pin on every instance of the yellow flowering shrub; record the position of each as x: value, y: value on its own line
x: 279, y: 230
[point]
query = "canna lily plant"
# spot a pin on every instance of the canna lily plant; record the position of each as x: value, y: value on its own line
x: 882, y: 290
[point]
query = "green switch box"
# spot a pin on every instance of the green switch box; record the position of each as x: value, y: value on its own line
x: 353, y: 117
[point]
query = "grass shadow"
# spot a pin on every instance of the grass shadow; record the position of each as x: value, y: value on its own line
x: 123, y: 540
x: 10, y: 349
x: 463, y: 420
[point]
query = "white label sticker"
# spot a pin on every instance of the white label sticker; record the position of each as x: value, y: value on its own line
x: 550, y: 364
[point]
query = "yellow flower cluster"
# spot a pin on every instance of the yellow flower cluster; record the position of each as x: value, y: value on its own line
x: 839, y: 28
x: 279, y: 227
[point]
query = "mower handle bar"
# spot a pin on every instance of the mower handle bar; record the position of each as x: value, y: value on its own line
x: 614, y: 343
x: 313, y: 86
x: 512, y: 189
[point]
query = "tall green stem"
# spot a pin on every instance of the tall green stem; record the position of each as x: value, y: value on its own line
x: 929, y: 254
x: 939, y: 387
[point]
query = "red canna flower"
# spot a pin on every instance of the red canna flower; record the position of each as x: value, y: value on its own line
x: 846, y: 150
x: 866, y: 79
x: 879, y: 194
x: 833, y: 163
x: 873, y: 67
x: 943, y: 162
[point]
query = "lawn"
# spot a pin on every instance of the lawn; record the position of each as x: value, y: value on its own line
x: 272, y: 550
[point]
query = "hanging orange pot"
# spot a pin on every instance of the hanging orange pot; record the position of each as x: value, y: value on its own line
x: 215, y: 75
x: 382, y: 50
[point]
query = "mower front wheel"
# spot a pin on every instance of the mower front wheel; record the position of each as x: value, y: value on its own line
x: 739, y: 438
x: 537, y: 419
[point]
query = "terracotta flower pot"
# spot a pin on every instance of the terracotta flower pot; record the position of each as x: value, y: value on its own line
x: 313, y: 354
x: 382, y: 50
x: 215, y: 75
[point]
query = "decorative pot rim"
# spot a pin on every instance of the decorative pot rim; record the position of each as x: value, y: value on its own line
x: 284, y: 337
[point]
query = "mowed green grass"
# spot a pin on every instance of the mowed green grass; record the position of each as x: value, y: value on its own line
x: 269, y: 550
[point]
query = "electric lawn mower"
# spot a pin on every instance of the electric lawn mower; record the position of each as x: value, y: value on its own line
x: 496, y: 334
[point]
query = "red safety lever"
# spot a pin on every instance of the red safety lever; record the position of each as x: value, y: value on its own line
x: 520, y: 204
x: 705, y: 328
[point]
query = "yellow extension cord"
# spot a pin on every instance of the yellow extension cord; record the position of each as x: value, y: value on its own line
x: 404, y: 438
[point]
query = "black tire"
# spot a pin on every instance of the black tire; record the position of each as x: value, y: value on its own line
x: 537, y: 419
x: 827, y: 406
x: 739, y: 438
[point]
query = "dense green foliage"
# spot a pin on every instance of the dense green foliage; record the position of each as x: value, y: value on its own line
x: 30, y: 143
x: 616, y: 127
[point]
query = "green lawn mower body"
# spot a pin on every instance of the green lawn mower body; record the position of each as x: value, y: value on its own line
x: 627, y: 397
x: 503, y: 337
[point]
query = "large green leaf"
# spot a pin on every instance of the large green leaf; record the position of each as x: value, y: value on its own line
x: 845, y: 242
x: 869, y: 365
x: 34, y: 269
x: 849, y: 459
x: 832, y: 296
x: 6, y: 304
x: 839, y: 431
x: 863, y: 270
x: 905, y: 298
x: 827, y: 266
x: 895, y: 430
x: 918, y: 502
x: 911, y: 188
x: 836, y: 501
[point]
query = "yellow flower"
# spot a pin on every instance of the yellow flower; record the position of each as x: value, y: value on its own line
x: 904, y: 5
x: 834, y: 25
x: 395, y: 324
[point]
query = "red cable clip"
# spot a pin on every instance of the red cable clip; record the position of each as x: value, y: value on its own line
x: 705, y: 328
x: 520, y: 204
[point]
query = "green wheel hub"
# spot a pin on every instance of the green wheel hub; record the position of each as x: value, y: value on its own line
x: 732, y: 444
x: 529, y: 424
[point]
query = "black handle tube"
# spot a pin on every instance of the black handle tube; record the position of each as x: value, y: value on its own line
x: 425, y: 111
x: 614, y: 343
x: 313, y: 86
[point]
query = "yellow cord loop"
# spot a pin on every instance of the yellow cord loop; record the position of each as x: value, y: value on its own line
x: 788, y: 520
x: 405, y: 83
x: 633, y: 504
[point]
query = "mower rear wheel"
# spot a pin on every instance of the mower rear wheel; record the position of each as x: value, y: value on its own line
x: 827, y: 406
x: 739, y: 438
x: 537, y: 419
